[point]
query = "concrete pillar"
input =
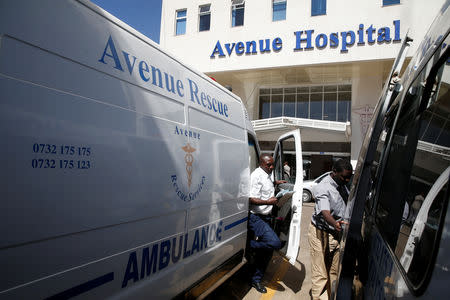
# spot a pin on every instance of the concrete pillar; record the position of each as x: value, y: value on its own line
x: 366, y: 91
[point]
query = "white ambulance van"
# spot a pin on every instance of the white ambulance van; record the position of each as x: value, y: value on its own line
x: 124, y: 173
x: 398, y: 239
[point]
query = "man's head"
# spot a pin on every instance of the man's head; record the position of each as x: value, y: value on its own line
x: 266, y: 163
x: 285, y: 163
x: 342, y: 171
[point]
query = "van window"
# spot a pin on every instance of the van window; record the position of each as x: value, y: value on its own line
x: 282, y: 172
x: 431, y: 159
x: 396, y: 174
x: 379, y: 153
x: 419, y: 261
x: 253, y: 154
x: 418, y: 154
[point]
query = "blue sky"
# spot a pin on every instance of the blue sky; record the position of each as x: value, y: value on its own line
x: 142, y: 15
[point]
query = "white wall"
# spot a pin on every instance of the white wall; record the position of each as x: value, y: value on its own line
x: 366, y: 90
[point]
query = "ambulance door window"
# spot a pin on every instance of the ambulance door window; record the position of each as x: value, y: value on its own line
x: 420, y: 261
x: 395, y: 176
x: 278, y: 164
x: 375, y: 168
x: 285, y: 163
x: 253, y: 154
x: 424, y: 208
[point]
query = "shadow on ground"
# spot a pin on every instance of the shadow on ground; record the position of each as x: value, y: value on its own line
x: 294, y: 278
x: 281, y: 271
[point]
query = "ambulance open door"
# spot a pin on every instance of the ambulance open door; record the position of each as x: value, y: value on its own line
x: 288, y: 212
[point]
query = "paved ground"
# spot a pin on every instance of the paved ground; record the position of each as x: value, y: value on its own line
x: 283, y: 281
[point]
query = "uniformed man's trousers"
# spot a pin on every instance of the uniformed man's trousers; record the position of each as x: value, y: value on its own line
x: 324, y: 251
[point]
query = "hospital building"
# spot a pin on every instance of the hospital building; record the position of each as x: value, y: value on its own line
x: 316, y: 65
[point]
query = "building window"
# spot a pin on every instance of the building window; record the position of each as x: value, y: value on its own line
x: 330, y: 106
x: 318, y: 7
x: 237, y: 12
x: 279, y: 10
x: 390, y: 2
x: 328, y: 102
x: 316, y: 102
x: 181, y: 22
x: 289, y: 103
x: 204, y: 15
x: 344, y: 111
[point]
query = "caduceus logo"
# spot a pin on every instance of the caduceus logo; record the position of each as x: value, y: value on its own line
x: 189, y: 159
x: 193, y: 192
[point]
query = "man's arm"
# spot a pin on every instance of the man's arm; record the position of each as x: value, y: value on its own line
x: 257, y: 201
x: 277, y: 182
x: 330, y: 220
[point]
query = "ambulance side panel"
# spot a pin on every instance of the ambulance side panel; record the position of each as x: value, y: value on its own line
x: 119, y: 165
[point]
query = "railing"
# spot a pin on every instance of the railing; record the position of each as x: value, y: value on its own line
x: 284, y: 122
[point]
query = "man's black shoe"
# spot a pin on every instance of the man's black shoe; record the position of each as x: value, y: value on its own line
x: 259, y: 287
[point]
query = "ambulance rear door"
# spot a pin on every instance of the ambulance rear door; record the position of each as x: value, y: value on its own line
x: 288, y: 212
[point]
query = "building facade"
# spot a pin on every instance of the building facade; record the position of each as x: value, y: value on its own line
x: 316, y: 65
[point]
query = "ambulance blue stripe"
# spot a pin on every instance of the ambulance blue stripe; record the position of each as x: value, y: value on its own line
x: 84, y: 287
x: 229, y: 226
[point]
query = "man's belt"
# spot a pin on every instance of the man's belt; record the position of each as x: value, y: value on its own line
x: 337, y: 235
